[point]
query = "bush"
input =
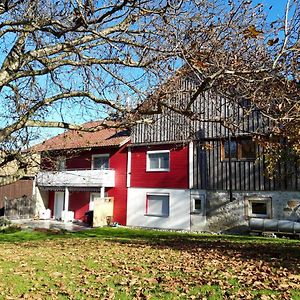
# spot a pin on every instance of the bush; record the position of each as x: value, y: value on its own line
x: 10, y: 229
x: 4, y: 222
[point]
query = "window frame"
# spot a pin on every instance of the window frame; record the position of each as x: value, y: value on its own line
x: 201, y: 210
x: 61, y: 163
x: 99, y: 155
x: 148, y: 169
x: 151, y: 214
x: 248, y: 205
x: 239, y: 157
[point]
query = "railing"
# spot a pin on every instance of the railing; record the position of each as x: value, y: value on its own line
x: 77, y: 178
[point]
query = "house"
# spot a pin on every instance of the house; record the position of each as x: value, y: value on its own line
x: 78, y: 168
x: 173, y: 172
x: 197, y: 174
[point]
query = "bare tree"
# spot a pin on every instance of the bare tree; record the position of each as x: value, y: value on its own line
x: 235, y: 51
x: 102, y: 58
x: 61, y: 58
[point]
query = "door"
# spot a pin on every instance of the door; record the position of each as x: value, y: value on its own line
x: 58, y: 205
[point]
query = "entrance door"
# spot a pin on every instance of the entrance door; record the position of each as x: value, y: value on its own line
x: 58, y: 205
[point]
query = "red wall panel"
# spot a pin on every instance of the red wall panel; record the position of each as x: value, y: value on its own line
x: 79, y: 203
x: 176, y: 177
x: 118, y: 162
x: 83, y: 159
x: 51, y: 202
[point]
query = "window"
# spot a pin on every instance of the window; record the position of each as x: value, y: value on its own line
x: 238, y: 149
x: 259, y: 207
x: 157, y: 205
x: 230, y: 149
x: 247, y: 149
x: 197, y: 204
x: 61, y: 163
x: 158, y: 160
x: 100, y: 162
x: 245, y: 103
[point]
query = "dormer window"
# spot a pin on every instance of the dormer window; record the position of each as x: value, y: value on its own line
x: 100, y: 162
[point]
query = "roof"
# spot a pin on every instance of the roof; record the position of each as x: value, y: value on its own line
x: 75, y: 139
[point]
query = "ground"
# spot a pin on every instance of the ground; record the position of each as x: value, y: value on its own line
x: 117, y: 263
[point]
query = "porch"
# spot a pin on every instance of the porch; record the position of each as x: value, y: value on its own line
x: 71, y: 193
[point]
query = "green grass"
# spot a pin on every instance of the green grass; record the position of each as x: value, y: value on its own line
x: 146, y: 235
x: 122, y: 263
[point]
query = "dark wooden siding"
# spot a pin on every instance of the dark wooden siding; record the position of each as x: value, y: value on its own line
x: 211, y: 110
x: 18, y: 189
x: 211, y: 173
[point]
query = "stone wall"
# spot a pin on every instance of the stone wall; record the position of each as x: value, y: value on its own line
x: 20, y: 208
x: 222, y: 215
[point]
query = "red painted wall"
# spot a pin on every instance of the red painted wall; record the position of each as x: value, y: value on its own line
x: 176, y: 177
x: 79, y: 201
x: 51, y: 202
x: 119, y: 162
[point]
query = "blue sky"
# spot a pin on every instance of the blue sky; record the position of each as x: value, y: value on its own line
x: 277, y: 10
x: 274, y: 10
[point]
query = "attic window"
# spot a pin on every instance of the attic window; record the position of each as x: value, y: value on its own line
x: 245, y: 103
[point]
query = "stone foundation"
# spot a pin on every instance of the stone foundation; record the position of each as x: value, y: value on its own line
x: 223, y: 215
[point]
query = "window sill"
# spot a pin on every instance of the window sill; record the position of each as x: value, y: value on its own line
x: 196, y: 213
x: 158, y: 170
x: 259, y: 216
x: 153, y: 215
x: 238, y: 159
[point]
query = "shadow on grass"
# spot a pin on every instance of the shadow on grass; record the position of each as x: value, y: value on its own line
x: 279, y: 252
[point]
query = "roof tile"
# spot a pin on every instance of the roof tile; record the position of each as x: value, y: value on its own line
x: 74, y: 139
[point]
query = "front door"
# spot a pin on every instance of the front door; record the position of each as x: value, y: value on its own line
x: 58, y: 205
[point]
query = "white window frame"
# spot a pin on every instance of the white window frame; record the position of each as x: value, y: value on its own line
x: 155, y: 214
x: 201, y: 210
x: 98, y: 155
x: 148, y: 169
x: 266, y: 200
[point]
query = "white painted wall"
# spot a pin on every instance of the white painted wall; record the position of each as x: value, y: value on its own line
x: 179, y: 213
x: 42, y: 199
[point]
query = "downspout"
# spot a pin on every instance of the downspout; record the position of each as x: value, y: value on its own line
x: 230, y: 169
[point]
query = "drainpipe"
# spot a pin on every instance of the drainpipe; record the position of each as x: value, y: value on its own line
x: 66, y: 204
x: 102, y: 191
x: 230, y: 169
x: 128, y: 179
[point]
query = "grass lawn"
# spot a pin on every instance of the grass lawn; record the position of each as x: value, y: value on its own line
x: 118, y: 263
